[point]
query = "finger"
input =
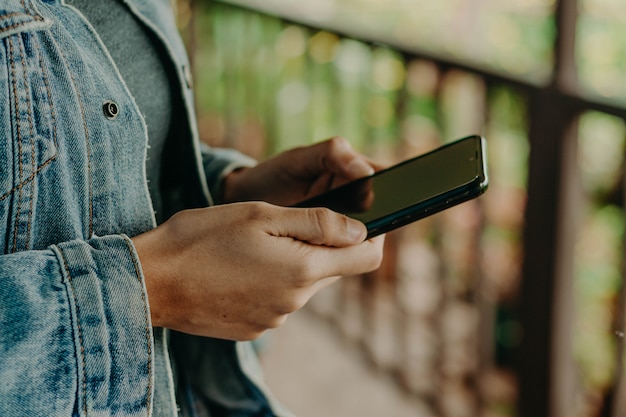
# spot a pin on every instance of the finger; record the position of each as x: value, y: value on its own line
x: 343, y: 159
x: 318, y: 226
x: 356, y: 167
x: 333, y: 155
x: 377, y: 165
x: 351, y: 260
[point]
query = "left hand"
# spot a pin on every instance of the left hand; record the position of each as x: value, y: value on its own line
x: 298, y: 174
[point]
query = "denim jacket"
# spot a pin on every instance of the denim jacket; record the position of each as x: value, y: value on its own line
x: 75, y: 330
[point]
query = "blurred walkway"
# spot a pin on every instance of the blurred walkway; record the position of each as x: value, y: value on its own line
x: 317, y: 374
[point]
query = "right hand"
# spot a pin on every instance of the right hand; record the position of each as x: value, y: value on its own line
x: 235, y: 270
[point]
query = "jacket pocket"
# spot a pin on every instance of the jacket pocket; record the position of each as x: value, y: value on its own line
x: 27, y: 125
x: 18, y: 16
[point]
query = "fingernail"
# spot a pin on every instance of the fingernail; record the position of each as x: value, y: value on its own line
x: 359, y: 168
x: 356, y: 230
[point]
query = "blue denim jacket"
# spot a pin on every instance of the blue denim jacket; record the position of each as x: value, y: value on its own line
x: 75, y: 330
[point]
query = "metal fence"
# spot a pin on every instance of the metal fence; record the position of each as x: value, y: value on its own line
x: 511, y: 304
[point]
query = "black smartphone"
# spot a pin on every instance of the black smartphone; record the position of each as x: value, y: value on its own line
x: 413, y: 189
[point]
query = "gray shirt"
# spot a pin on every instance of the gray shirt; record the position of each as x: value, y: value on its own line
x: 147, y: 71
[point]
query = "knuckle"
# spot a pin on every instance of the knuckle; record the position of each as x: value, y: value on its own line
x: 321, y: 218
x: 257, y: 210
x: 290, y: 304
x: 277, y: 321
x: 338, y: 143
x: 286, y: 307
x: 296, y: 304
x: 179, y: 220
x: 305, y: 274
x: 320, y: 215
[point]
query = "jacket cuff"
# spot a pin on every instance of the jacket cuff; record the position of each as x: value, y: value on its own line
x: 111, y: 322
x: 218, y: 163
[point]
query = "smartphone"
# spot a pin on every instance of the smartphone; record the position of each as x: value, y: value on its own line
x: 413, y: 189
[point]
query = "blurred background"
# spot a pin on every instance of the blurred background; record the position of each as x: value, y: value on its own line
x: 509, y: 305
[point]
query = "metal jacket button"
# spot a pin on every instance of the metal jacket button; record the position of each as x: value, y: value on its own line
x: 110, y: 109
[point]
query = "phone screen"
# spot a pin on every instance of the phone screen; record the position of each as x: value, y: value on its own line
x: 412, y: 189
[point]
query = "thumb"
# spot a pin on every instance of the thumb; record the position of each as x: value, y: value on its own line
x: 318, y: 226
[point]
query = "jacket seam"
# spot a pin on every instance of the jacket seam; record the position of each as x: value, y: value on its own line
x: 32, y: 150
x: 19, y: 142
x: 16, y: 25
x: 55, y: 133
x: 24, y: 183
x: 146, y: 316
x: 33, y: 165
x: 80, y: 331
x: 32, y: 132
x: 6, y: 16
x: 24, y: 5
x: 31, y: 9
x: 44, y: 74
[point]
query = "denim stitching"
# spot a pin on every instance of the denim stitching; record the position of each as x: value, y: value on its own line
x: 24, y: 6
x: 6, y: 16
x: 31, y: 13
x: 145, y: 310
x: 24, y: 183
x: 27, y: 9
x: 32, y: 150
x: 53, y: 116
x: 30, y: 8
x: 16, y: 25
x: 32, y: 140
x: 54, y: 133
x: 19, y: 142
x: 80, y: 331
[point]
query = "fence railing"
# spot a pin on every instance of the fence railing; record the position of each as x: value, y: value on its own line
x: 512, y: 304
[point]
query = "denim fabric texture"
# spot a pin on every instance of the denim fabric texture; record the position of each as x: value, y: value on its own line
x: 75, y: 331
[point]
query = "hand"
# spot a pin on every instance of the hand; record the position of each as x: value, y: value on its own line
x: 235, y: 270
x: 298, y: 174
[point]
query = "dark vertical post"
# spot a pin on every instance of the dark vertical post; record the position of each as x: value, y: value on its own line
x: 616, y: 398
x: 547, y: 274
x: 544, y: 358
x: 618, y: 395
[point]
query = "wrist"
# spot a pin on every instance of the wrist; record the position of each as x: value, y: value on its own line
x: 229, y: 190
x: 153, y: 275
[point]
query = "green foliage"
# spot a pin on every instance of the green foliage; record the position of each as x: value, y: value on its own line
x: 264, y: 85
